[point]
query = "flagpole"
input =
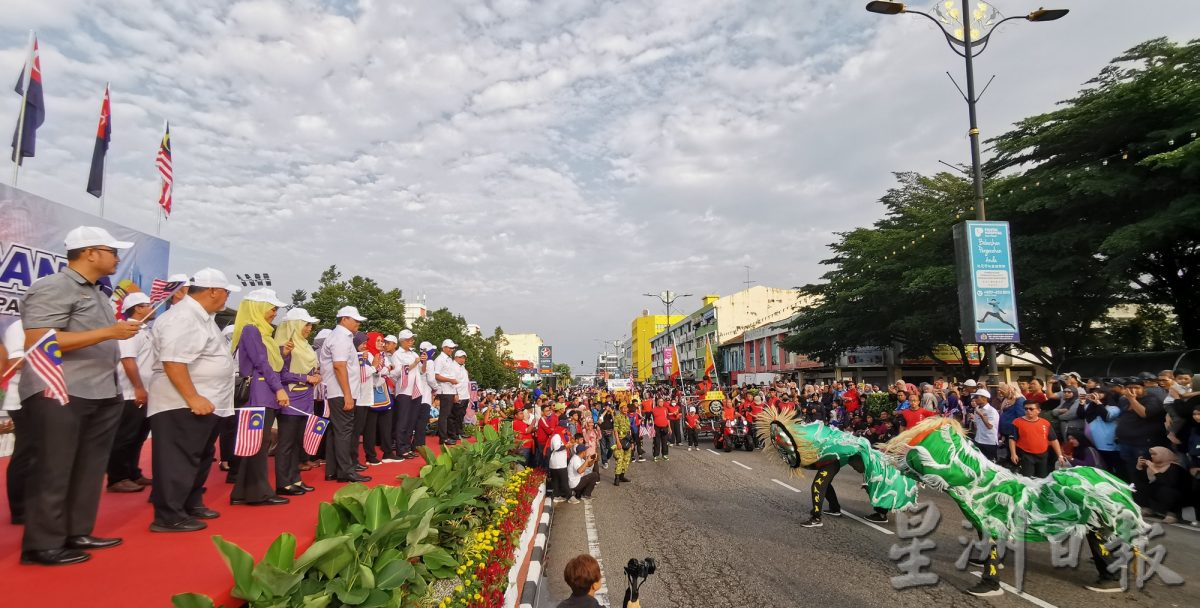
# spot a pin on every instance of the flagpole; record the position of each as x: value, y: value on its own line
x: 21, y: 115
x: 104, y: 168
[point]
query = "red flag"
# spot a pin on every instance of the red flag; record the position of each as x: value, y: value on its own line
x: 95, y: 185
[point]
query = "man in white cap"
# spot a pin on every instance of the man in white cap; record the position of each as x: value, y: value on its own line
x: 462, y: 395
x: 987, y: 423
x: 181, y: 292
x: 427, y: 385
x: 340, y: 375
x: 72, y: 442
x: 406, y: 372
x: 445, y: 371
x: 137, y: 362
x: 191, y: 388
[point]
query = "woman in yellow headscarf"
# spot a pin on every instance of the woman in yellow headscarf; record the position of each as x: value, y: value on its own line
x: 300, y: 377
x: 260, y: 360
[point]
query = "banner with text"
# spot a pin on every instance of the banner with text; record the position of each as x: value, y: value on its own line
x: 987, y: 293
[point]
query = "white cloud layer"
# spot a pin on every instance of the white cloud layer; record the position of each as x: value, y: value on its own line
x: 532, y: 164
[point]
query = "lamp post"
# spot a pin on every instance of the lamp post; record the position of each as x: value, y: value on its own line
x: 667, y: 298
x: 968, y: 39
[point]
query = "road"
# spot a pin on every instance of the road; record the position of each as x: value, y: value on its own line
x: 724, y: 528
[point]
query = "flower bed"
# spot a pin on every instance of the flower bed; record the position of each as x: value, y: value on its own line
x: 443, y: 538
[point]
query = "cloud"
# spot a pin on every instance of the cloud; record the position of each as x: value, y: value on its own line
x: 534, y: 165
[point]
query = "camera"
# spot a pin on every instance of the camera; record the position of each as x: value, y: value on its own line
x: 637, y: 572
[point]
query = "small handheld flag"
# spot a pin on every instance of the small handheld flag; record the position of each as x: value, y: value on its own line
x: 249, y: 431
x: 161, y: 290
x: 45, y: 358
x: 314, y: 431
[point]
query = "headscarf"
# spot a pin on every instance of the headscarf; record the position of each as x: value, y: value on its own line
x: 372, y: 340
x: 304, y: 358
x: 1161, y: 459
x: 255, y: 313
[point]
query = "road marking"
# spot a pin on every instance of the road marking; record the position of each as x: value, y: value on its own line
x: 1187, y: 527
x: 1021, y: 594
x: 741, y: 465
x: 593, y: 540
x: 859, y: 519
x: 713, y: 451
x: 785, y: 485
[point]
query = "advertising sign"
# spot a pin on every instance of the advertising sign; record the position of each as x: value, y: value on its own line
x: 32, y: 230
x: 545, y: 360
x: 620, y: 384
x: 987, y: 293
x: 668, y: 358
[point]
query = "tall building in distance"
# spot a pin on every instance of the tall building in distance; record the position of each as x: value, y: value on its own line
x: 414, y: 310
x: 607, y: 365
x: 643, y: 328
x: 521, y: 347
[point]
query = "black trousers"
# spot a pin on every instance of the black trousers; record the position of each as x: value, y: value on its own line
x: 20, y: 464
x: 560, y: 484
x: 181, y: 457
x: 407, y: 410
x: 445, y: 415
x: 677, y: 432
x: 339, y: 441
x: 586, y: 484
x: 127, y: 445
x: 421, y: 426
x: 227, y: 433
x: 289, y: 449
x: 661, y: 441
x: 71, y: 445
x: 692, y: 439
x: 364, y: 433
x: 989, y: 451
x: 1034, y: 465
x: 822, y: 488
x: 460, y: 413
x: 386, y: 424
x: 253, y: 480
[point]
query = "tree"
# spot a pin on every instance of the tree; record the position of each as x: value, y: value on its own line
x: 1150, y: 328
x: 1116, y: 171
x: 384, y: 310
x: 486, y: 361
x: 564, y: 373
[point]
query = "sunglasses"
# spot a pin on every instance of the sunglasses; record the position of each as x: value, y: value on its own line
x: 107, y: 249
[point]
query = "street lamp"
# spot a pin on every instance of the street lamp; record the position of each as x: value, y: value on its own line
x: 667, y: 298
x: 970, y: 32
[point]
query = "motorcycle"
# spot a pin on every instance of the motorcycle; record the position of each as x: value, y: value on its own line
x: 738, y: 436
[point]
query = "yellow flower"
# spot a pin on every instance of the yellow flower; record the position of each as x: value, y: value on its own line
x: 458, y: 589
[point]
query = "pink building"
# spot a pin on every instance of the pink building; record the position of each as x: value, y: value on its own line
x: 762, y: 351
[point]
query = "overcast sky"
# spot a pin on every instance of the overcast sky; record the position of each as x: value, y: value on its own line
x: 533, y: 165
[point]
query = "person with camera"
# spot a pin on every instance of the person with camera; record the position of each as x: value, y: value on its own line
x: 581, y: 471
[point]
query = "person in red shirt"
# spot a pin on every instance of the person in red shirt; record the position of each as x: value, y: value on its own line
x: 675, y: 417
x: 692, y: 422
x: 521, y: 426
x: 662, y: 429
x: 1030, y: 447
x: 911, y: 416
x: 850, y: 398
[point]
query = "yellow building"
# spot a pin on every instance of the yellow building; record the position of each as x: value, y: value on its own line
x: 643, y: 328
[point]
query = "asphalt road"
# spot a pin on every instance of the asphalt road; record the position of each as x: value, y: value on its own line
x: 726, y: 533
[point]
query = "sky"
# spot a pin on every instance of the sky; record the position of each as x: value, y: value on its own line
x: 536, y: 166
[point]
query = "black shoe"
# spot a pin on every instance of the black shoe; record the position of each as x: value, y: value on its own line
x: 187, y: 525
x: 360, y: 467
x: 625, y: 479
x: 91, y: 542
x: 203, y: 513
x: 834, y: 513
x: 290, y: 491
x: 878, y: 518
x: 617, y: 481
x: 54, y: 557
x: 355, y: 478
x: 986, y: 589
x: 410, y: 455
x: 269, y: 502
x: 306, y: 487
x: 374, y: 463
x: 813, y: 522
x: 331, y: 478
x: 450, y: 442
x: 236, y: 502
x: 1105, y: 584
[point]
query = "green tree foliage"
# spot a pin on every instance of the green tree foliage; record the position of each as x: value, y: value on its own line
x: 1115, y: 172
x: 384, y: 310
x: 564, y: 373
x: 486, y: 362
x: 1151, y: 328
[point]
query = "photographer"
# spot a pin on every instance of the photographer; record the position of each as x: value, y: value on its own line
x: 581, y: 474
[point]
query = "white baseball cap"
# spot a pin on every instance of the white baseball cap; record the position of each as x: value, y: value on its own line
x: 983, y: 392
x: 390, y: 338
x: 265, y: 295
x: 212, y: 278
x: 971, y: 382
x: 459, y: 353
x: 324, y: 333
x: 91, y: 236
x: 299, y: 314
x: 178, y: 277
x: 448, y: 343
x: 426, y: 346
x: 350, y: 311
x: 134, y: 299
x: 405, y: 335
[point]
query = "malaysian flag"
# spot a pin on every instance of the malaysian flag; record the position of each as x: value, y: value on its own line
x: 166, y: 171
x: 313, y: 432
x: 249, y: 431
x: 45, y: 357
x: 161, y: 289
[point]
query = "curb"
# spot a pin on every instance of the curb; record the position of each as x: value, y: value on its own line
x: 529, y: 590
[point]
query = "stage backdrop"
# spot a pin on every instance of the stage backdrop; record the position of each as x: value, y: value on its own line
x: 32, y: 229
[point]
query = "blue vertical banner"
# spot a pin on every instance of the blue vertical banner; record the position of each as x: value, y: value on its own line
x: 987, y: 289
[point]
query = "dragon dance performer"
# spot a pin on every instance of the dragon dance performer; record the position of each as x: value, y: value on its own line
x: 1004, y: 506
x: 826, y: 450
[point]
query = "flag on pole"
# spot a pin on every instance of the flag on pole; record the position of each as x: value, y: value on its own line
x: 161, y: 289
x: 710, y: 365
x: 313, y: 432
x: 166, y: 171
x: 95, y: 185
x: 249, y: 431
x: 45, y: 359
x: 674, y: 363
x: 33, y: 114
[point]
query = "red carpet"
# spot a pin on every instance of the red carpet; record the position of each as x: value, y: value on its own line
x: 149, y: 568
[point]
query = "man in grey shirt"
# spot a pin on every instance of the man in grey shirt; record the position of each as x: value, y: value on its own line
x: 72, y: 441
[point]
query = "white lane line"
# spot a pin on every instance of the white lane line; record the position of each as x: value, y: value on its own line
x: 593, y: 540
x: 785, y: 485
x: 859, y: 519
x: 1021, y: 594
x: 741, y: 465
x: 1187, y: 527
x: 713, y: 451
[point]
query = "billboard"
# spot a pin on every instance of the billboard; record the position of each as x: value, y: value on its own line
x: 32, y: 229
x: 545, y: 359
x: 987, y: 293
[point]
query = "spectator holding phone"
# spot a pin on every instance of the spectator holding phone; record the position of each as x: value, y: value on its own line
x: 581, y: 473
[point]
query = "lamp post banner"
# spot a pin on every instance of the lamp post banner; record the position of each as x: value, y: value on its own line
x: 986, y: 288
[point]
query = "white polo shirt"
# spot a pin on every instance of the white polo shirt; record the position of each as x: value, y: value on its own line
x: 339, y: 347
x: 984, y: 435
x: 14, y: 343
x: 445, y: 366
x: 406, y: 378
x: 188, y: 334
x: 140, y: 348
x: 462, y: 390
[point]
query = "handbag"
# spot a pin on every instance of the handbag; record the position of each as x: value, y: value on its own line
x: 241, y: 390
